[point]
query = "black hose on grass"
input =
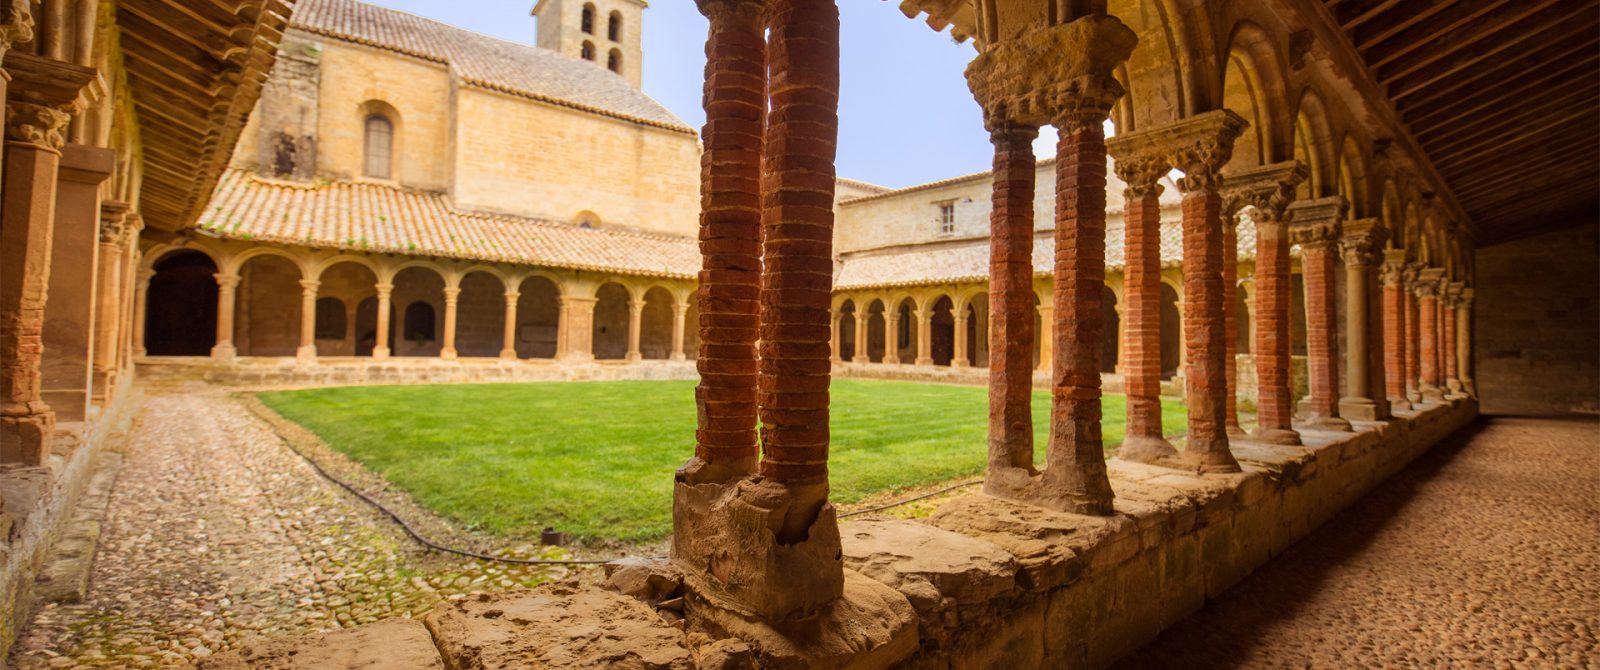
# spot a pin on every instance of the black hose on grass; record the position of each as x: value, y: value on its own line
x: 912, y: 499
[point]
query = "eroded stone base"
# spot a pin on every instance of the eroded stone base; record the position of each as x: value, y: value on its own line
x: 556, y: 626
x: 393, y: 644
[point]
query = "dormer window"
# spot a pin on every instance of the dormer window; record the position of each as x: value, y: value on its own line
x: 379, y: 147
x: 946, y: 217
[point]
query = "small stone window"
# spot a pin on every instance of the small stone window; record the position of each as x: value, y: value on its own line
x: 587, y: 51
x: 419, y: 322
x: 614, y: 27
x: 587, y: 22
x: 946, y: 217
x: 614, y: 61
x: 330, y: 319
x: 379, y: 147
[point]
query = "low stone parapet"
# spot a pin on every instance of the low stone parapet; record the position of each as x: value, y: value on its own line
x: 252, y: 372
x: 984, y: 582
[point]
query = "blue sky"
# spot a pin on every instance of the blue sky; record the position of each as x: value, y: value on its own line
x: 906, y: 116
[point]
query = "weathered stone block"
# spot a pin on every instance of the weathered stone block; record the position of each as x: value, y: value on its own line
x: 392, y: 644
x: 940, y: 572
x: 1049, y: 546
x: 870, y: 626
x: 558, y: 625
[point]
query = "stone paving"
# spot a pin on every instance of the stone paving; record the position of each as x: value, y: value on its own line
x: 1483, y: 553
x: 218, y: 533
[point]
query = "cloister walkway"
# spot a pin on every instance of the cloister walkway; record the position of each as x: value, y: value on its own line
x: 1485, y: 552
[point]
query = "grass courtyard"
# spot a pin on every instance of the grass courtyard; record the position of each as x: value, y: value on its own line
x: 595, y: 459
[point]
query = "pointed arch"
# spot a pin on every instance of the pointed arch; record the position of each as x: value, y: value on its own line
x: 1313, y: 145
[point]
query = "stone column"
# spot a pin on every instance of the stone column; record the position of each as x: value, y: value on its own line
x: 32, y: 153
x: 1394, y: 328
x: 1141, y: 294
x: 924, y: 335
x: 108, y: 296
x: 141, y: 297
x: 1464, y: 342
x: 680, y: 313
x: 508, y: 348
x: 834, y: 342
x: 1069, y: 84
x: 860, y: 354
x: 577, y: 325
x: 1428, y: 285
x: 635, y: 317
x: 958, y: 357
x: 1316, y: 228
x: 1365, y: 398
x: 69, y: 318
x: 227, y: 285
x: 307, y: 353
x: 1413, y: 341
x: 730, y: 246
x: 1264, y: 194
x: 1011, y: 327
x: 1230, y: 318
x: 891, y: 335
x: 452, y: 296
x: 1452, y: 379
x: 380, y: 349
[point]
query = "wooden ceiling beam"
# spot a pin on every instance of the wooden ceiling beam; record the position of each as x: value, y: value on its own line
x: 1480, y: 82
x: 1542, y: 134
x: 221, y: 45
x: 1368, y: 14
x: 1398, y: 20
x: 1518, y: 213
x: 1554, y: 188
x: 1579, y: 18
x: 1489, y: 181
x: 1557, y: 102
x: 1494, y: 94
x: 1457, y: 26
x: 139, y: 54
x: 178, y: 53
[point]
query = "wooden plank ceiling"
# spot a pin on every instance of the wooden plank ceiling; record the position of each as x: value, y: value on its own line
x: 195, y: 69
x: 1503, y: 95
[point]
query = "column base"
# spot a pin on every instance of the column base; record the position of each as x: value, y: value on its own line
x: 1454, y: 385
x: 1431, y: 393
x: 1146, y: 449
x: 380, y: 353
x: 1284, y: 437
x: 633, y: 356
x: 448, y: 354
x: 1333, y: 424
x: 1236, y: 431
x: 1036, y: 488
x: 959, y: 363
x: 1359, y: 409
x: 306, y: 354
x: 1400, y: 403
x: 223, y: 352
x: 25, y: 438
x: 766, y: 550
x: 678, y: 356
x: 508, y: 355
x: 923, y: 361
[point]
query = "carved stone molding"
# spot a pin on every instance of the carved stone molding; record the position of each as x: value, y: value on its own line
x: 728, y: 13
x: 35, y: 124
x: 1429, y: 282
x: 1061, y: 74
x: 16, y: 23
x: 1141, y: 173
x: 1315, y: 223
x: 1393, y: 270
x: 1361, y: 243
x: 1269, y: 189
x: 1199, y: 146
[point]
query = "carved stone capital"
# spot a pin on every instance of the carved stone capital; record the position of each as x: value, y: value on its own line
x: 226, y: 282
x: 1141, y: 173
x: 1392, y: 272
x: 114, y: 225
x: 1268, y: 190
x: 1199, y: 146
x: 39, y: 125
x: 1361, y: 243
x: 725, y: 14
x: 1314, y: 224
x: 1060, y: 74
x: 16, y: 23
x: 1429, y: 282
x: 1465, y: 301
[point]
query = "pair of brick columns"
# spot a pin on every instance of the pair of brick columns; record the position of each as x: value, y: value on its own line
x: 1080, y: 90
x: 761, y: 533
x: 1198, y: 146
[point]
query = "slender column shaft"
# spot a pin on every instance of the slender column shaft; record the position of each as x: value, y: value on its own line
x: 1448, y: 320
x: 730, y: 241
x: 958, y: 356
x: 141, y: 298
x: 1274, y: 395
x: 891, y: 336
x: 1047, y: 338
x: 1413, y: 341
x: 1142, y: 313
x: 924, y: 335
x: 797, y: 246
x: 635, y: 320
x: 1394, y: 328
x: 227, y: 290
x: 1322, y: 339
x: 835, y: 327
x: 1230, y: 319
x: 1076, y: 451
x: 108, y: 310
x: 1205, y: 334
x: 1464, y: 343
x: 452, y: 296
x: 380, y: 349
x: 508, y: 347
x: 1011, y: 299
x: 1364, y: 395
x: 1429, y: 307
x: 680, y: 313
x: 860, y: 354
x: 308, y: 320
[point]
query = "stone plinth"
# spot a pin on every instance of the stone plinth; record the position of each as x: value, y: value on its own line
x: 393, y: 644
x: 556, y: 626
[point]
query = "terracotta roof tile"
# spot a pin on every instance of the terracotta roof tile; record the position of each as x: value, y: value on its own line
x: 378, y: 218
x: 493, y: 63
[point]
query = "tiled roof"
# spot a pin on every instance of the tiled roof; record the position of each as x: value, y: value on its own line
x: 379, y: 218
x: 493, y: 63
x: 968, y: 260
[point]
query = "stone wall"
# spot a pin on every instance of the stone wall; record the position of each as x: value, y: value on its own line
x: 1536, y: 323
x: 286, y: 372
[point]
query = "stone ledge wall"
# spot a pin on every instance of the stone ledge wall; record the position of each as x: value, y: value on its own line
x: 286, y: 372
x: 984, y: 582
x: 38, y: 502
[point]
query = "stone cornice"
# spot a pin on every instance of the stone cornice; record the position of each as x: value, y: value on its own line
x: 1268, y: 188
x: 1060, y: 75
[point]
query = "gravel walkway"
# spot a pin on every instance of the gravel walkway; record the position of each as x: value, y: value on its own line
x: 1485, y: 553
x: 217, y: 533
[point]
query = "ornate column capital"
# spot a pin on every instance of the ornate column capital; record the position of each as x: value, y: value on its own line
x: 16, y: 23
x: 1362, y: 242
x: 1314, y: 224
x: 1199, y: 146
x: 1060, y: 74
x: 43, y: 126
x: 1392, y: 272
x: 384, y: 289
x: 1429, y: 282
x: 751, y: 14
x: 1464, y: 301
x: 513, y: 295
x: 451, y: 294
x: 308, y: 287
x: 1268, y: 190
x: 226, y: 281
x: 1140, y: 171
x: 115, y: 228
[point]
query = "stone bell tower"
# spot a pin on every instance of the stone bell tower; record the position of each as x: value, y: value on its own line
x: 606, y: 32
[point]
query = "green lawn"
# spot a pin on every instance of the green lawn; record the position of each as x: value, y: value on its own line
x: 595, y: 459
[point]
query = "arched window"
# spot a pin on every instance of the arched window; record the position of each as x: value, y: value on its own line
x: 614, y: 61
x: 588, y: 19
x: 419, y: 322
x: 614, y: 27
x: 587, y: 51
x: 379, y: 146
x: 330, y: 319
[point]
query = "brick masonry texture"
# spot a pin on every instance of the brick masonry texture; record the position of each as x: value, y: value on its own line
x: 1536, y: 323
x: 1274, y: 404
x: 1204, y: 331
x: 1011, y: 301
x: 1322, y: 339
x: 1142, y: 292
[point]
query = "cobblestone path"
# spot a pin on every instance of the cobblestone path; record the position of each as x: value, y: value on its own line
x: 1484, y: 553
x: 217, y: 532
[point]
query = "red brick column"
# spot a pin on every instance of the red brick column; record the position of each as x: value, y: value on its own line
x: 1464, y: 342
x: 1076, y: 452
x: 1230, y: 318
x: 1452, y: 377
x: 797, y: 244
x: 730, y: 234
x: 1274, y: 391
x: 1142, y: 309
x: 1011, y: 299
x: 1394, y: 328
x: 1413, y: 343
x: 1205, y: 332
x: 1315, y: 227
x: 1428, y: 305
x: 32, y: 153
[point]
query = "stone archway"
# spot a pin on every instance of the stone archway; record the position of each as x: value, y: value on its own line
x: 942, y: 331
x: 181, y: 307
x: 1171, y: 334
x: 978, y: 330
x: 266, y: 319
x: 480, y: 315
x: 846, y: 328
x: 905, y: 330
x: 419, y: 300
x: 875, y: 341
x: 655, y: 324
x: 538, y: 318
x: 611, y: 322
x: 346, y: 285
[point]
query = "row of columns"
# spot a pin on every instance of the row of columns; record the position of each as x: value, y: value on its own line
x: 923, y: 316
x: 573, y: 310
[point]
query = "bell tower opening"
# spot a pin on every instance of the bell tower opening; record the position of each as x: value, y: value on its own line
x: 610, y: 29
